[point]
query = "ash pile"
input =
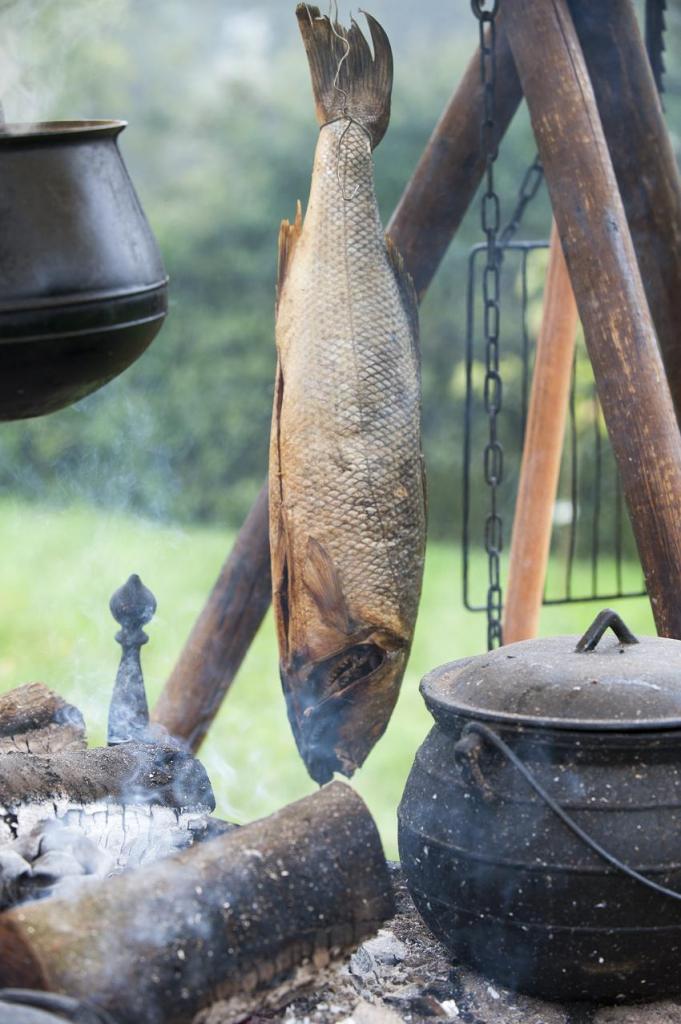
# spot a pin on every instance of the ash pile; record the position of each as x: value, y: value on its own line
x: 403, y: 974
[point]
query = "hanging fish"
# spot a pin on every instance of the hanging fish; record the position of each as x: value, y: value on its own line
x: 347, y: 501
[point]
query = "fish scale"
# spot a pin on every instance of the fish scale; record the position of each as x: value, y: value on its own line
x: 347, y: 501
x: 352, y: 391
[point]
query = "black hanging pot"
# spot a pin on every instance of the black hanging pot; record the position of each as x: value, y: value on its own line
x: 540, y: 828
x: 82, y: 285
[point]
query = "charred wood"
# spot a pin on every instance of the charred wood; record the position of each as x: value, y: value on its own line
x: 229, y: 918
x: 36, y: 720
x: 71, y: 818
x: 138, y: 773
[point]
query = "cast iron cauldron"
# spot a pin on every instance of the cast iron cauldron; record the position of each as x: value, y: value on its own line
x: 540, y: 828
x: 82, y: 285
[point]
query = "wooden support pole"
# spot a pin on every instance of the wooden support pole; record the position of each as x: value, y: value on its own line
x: 230, y: 918
x: 643, y: 159
x: 542, y: 450
x: 222, y: 633
x: 425, y: 220
x: 618, y: 328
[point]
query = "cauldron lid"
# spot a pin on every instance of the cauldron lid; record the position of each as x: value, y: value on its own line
x: 566, y: 682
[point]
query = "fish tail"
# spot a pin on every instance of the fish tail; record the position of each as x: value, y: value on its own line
x: 347, y: 80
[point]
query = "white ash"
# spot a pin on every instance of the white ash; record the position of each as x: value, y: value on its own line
x: 55, y: 848
x: 404, y: 974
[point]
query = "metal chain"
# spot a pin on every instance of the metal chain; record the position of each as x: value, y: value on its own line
x: 486, y: 11
x: 529, y: 186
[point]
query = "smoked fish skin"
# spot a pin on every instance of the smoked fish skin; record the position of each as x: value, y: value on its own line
x: 347, y: 493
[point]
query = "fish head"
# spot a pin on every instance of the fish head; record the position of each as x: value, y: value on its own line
x: 340, y: 705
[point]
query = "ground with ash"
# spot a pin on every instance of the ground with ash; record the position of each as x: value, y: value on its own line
x: 404, y: 974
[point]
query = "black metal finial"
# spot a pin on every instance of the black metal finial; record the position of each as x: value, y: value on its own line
x: 132, y: 606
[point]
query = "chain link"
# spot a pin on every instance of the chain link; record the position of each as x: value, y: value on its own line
x: 529, y: 186
x: 490, y: 214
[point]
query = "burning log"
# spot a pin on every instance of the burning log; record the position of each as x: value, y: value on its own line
x: 618, y: 327
x: 229, y: 919
x: 36, y: 720
x: 140, y: 773
x: 427, y: 217
x: 78, y: 816
x: 75, y: 817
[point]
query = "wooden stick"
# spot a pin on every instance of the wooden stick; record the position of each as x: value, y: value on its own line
x: 618, y: 328
x: 36, y: 720
x: 542, y: 450
x: 228, y: 918
x: 222, y: 633
x: 643, y: 159
x: 425, y: 220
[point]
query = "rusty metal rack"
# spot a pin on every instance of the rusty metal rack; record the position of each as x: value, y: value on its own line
x: 592, y: 526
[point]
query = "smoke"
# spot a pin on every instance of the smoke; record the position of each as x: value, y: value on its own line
x: 36, y: 40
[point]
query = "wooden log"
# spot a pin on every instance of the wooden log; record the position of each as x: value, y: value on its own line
x: 643, y: 159
x: 36, y: 720
x: 422, y: 226
x: 542, y: 450
x: 228, y: 918
x: 618, y: 328
x: 70, y: 818
x: 141, y: 773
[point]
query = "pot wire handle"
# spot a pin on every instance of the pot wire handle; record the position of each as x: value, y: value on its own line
x: 496, y: 741
x: 607, y: 619
x: 68, y: 1009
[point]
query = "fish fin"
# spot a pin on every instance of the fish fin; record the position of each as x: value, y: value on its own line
x: 281, y: 586
x: 289, y: 233
x: 405, y: 286
x: 347, y: 81
x: 278, y: 535
x: 321, y: 578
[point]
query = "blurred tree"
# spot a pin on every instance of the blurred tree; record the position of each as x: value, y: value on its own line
x: 220, y: 144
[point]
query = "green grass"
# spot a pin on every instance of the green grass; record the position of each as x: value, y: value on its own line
x: 59, y: 569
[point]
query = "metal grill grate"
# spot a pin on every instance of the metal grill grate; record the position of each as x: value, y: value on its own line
x: 593, y: 555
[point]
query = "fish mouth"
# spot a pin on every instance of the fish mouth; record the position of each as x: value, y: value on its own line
x: 339, y: 706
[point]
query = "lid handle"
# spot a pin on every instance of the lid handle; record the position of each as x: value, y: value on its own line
x: 606, y: 618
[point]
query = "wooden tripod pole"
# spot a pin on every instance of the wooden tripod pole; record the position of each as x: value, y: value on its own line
x: 643, y: 159
x: 618, y: 328
x: 540, y: 468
